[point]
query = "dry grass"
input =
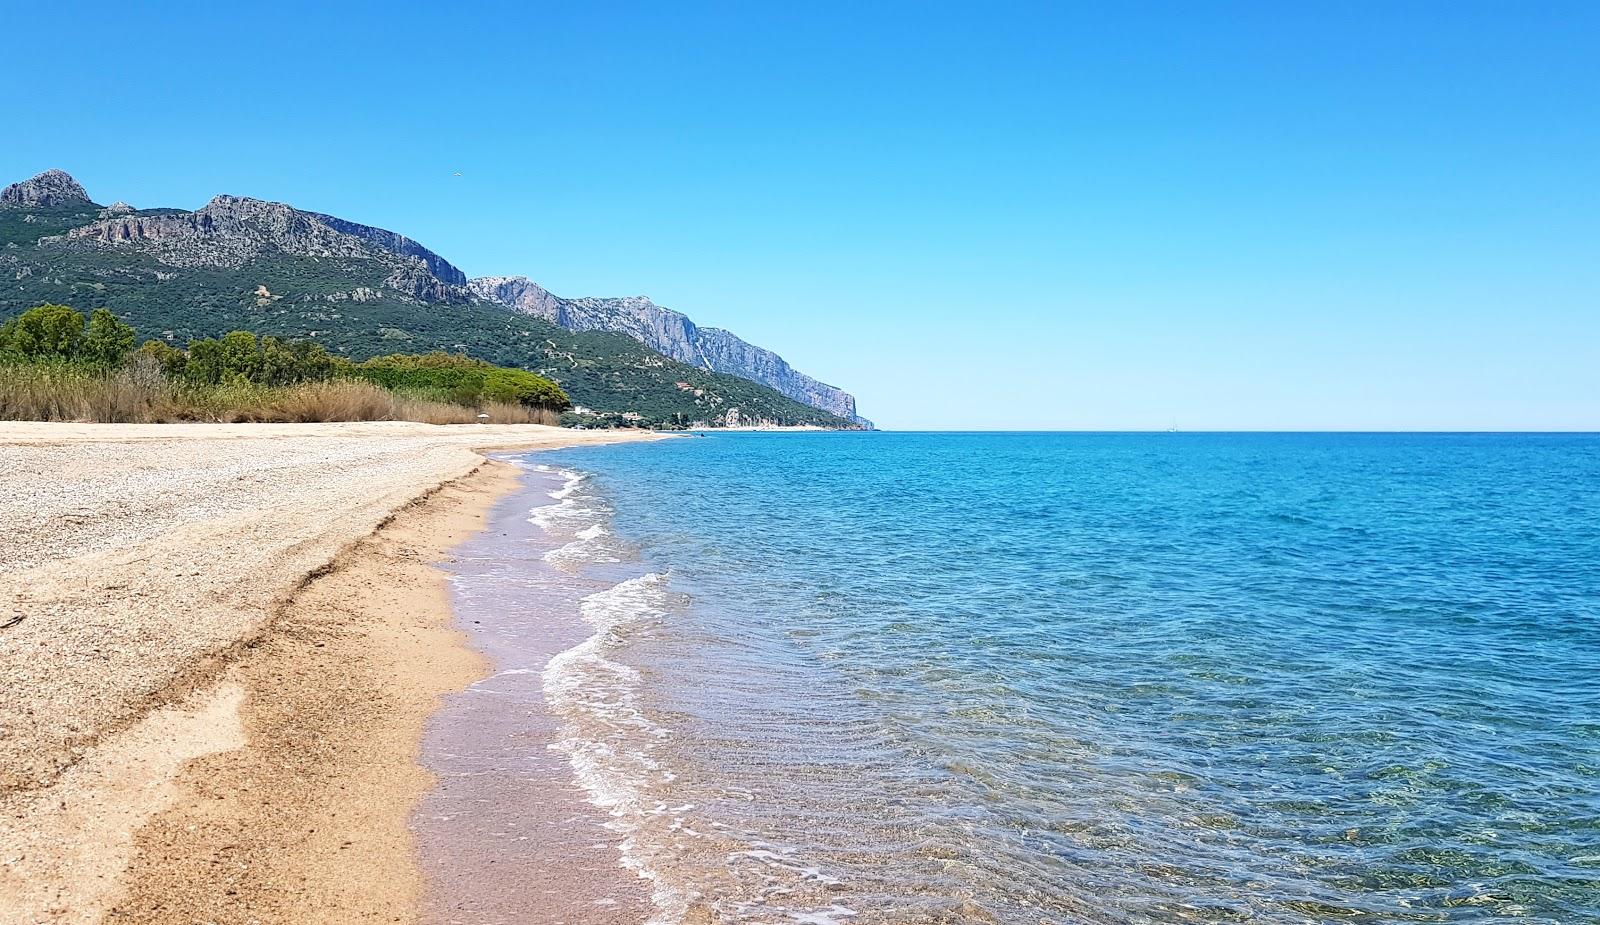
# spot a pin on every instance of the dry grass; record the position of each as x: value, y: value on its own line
x: 334, y: 401
x: 60, y: 392
x: 64, y: 392
x: 438, y: 412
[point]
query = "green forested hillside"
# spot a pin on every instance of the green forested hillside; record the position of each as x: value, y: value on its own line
x: 343, y: 303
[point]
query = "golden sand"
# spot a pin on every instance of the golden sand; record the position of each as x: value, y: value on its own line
x: 229, y: 639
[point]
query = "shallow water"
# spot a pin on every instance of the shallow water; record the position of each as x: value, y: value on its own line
x: 506, y: 835
x: 1091, y: 678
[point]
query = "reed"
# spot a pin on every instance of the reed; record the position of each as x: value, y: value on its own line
x: 138, y: 393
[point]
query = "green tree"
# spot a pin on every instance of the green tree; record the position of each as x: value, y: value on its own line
x: 264, y: 361
x: 241, y: 356
x: 169, y: 359
x: 313, y: 361
x: 109, y: 340
x: 205, y: 363
x: 278, y: 362
x: 47, y: 332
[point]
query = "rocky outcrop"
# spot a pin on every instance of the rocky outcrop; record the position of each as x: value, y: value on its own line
x: 49, y: 189
x: 231, y: 231
x: 522, y: 294
x: 396, y: 244
x: 414, y: 279
x: 228, y: 232
x: 667, y: 332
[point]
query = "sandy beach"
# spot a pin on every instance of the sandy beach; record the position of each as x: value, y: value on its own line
x: 218, y: 646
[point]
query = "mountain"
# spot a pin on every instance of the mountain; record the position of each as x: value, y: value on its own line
x: 241, y: 263
x: 670, y: 333
x: 49, y: 189
x: 396, y: 244
x: 232, y: 232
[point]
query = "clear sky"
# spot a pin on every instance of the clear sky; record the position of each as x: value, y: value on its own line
x: 1364, y: 215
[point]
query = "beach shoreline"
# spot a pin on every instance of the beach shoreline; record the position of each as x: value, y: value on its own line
x: 509, y: 832
x: 231, y: 637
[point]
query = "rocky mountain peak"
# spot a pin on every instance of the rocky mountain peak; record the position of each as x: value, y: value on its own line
x: 51, y: 188
x: 228, y: 201
x: 522, y: 294
x: 276, y: 216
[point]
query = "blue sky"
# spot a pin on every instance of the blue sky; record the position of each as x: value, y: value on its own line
x: 1104, y: 216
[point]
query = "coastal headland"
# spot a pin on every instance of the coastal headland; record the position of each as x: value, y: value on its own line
x: 218, y: 647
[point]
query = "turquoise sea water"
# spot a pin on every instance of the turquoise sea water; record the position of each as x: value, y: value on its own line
x: 1091, y: 678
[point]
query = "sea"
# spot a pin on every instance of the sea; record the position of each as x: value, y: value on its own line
x: 833, y: 678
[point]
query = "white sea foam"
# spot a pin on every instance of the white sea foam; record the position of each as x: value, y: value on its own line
x: 612, y: 745
x: 606, y: 737
x: 574, y: 479
x: 833, y: 915
x: 570, y: 507
x: 782, y: 859
x: 591, y: 544
x: 551, y: 516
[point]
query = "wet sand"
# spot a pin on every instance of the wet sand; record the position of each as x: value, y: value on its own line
x: 215, y: 666
x: 507, y: 836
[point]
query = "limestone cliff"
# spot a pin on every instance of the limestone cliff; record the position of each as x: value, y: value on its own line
x: 396, y: 244
x: 667, y: 332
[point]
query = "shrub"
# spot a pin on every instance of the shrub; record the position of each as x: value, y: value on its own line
x: 462, y: 379
x: 518, y: 386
